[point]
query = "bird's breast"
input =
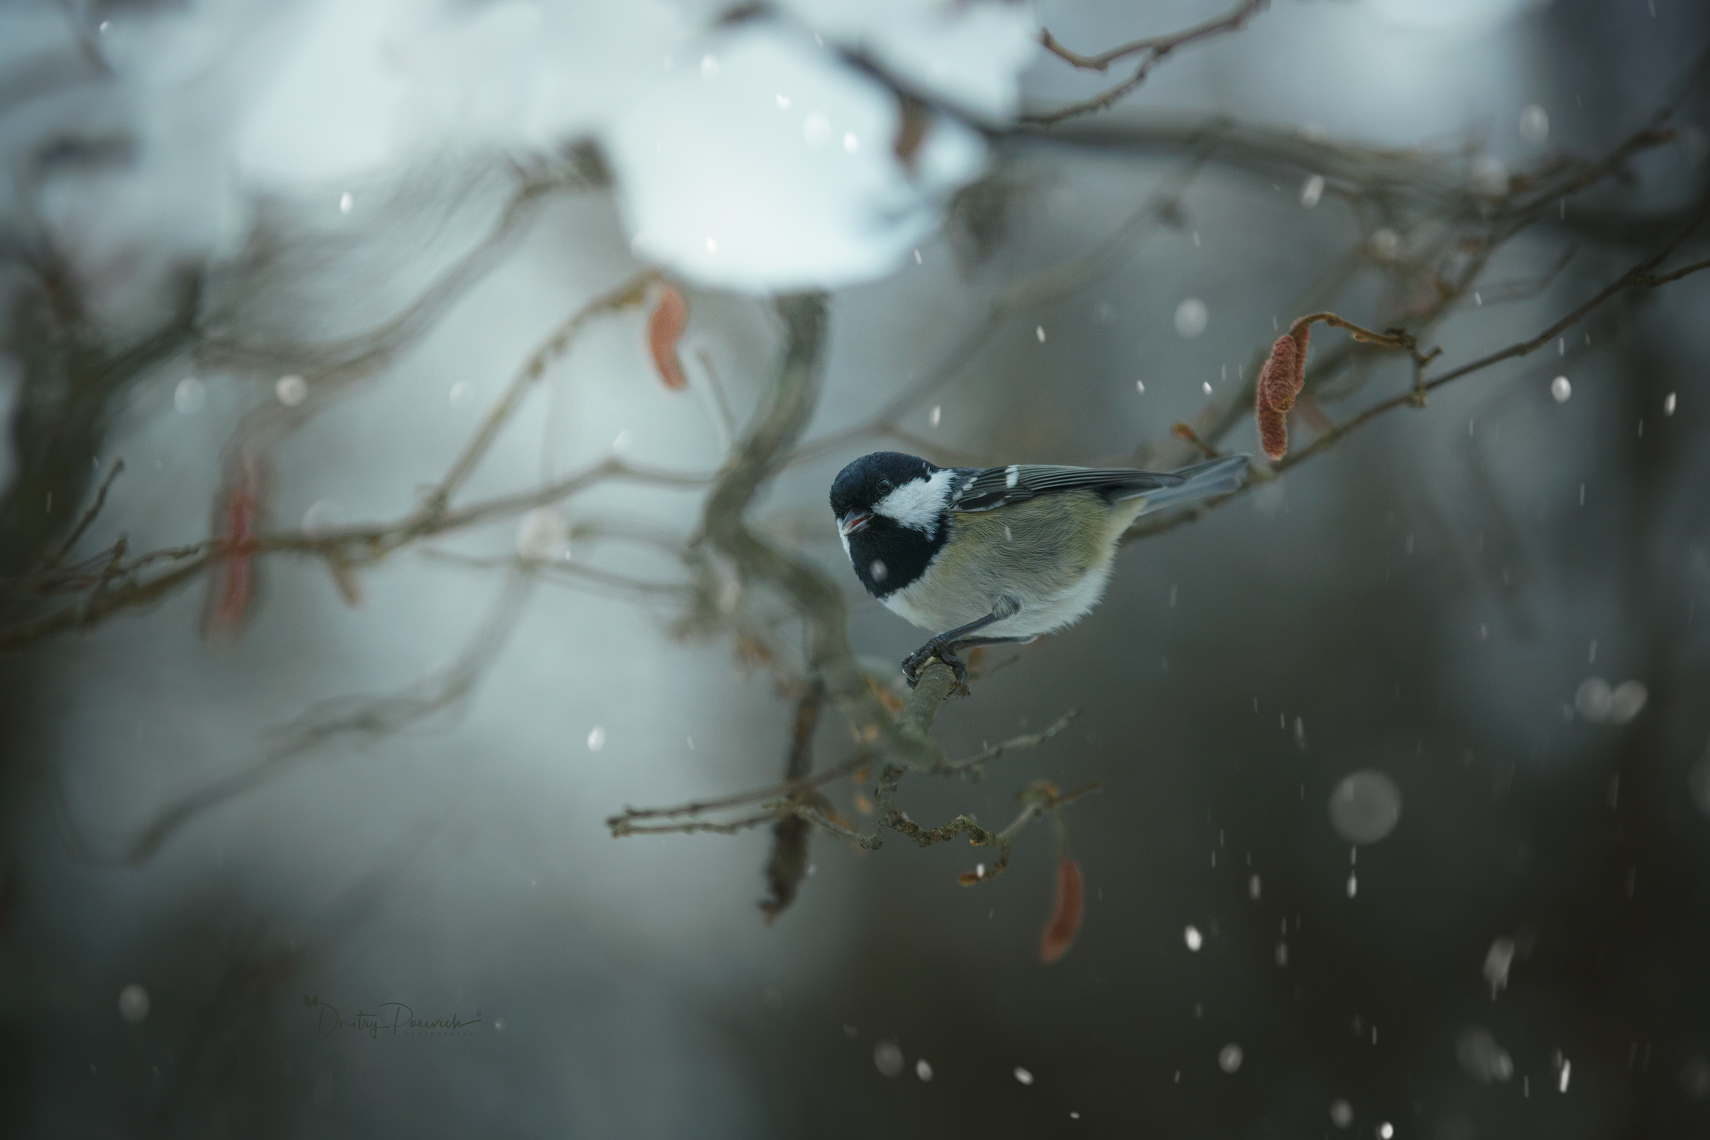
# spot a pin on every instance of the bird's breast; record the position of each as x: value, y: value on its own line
x: 1052, y: 554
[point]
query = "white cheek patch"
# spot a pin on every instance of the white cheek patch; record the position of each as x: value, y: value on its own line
x: 918, y: 504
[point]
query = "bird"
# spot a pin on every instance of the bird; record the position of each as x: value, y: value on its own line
x: 995, y: 555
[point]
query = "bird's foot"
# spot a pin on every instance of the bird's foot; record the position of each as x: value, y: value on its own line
x: 915, y: 662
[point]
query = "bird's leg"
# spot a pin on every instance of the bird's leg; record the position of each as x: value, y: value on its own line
x: 945, y: 644
x: 977, y: 642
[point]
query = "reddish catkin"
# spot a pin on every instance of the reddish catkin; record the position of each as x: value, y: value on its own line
x: 664, y: 329
x: 1065, y: 921
x: 1279, y: 383
x: 238, y: 515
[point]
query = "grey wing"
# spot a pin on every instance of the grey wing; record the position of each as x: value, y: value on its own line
x: 986, y: 489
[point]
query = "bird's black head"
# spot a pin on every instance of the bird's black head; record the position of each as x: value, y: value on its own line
x: 888, y: 508
x: 862, y: 485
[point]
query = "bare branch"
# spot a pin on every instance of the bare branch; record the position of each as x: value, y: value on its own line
x: 627, y: 295
x: 1153, y: 49
x: 760, y: 453
x: 88, y: 515
x: 788, y: 862
x: 974, y: 766
x: 1641, y: 276
x: 368, y: 717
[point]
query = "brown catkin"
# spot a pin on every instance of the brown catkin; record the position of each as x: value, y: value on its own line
x: 1065, y: 920
x: 664, y: 328
x: 1279, y: 383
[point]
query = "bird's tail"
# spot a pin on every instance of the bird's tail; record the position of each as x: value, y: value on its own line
x: 1200, y: 481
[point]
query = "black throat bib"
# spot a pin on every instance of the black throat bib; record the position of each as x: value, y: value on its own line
x: 889, y: 556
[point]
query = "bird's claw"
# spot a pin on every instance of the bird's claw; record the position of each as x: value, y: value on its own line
x: 917, y: 661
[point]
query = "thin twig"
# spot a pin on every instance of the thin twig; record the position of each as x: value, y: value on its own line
x: 974, y: 764
x: 1639, y: 277
x: 1154, y: 49
x: 630, y: 293
x: 1055, y: 282
x: 296, y: 743
x: 88, y: 515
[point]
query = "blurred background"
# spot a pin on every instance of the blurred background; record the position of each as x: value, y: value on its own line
x: 1404, y: 826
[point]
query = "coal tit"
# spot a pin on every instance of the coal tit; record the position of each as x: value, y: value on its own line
x: 999, y: 554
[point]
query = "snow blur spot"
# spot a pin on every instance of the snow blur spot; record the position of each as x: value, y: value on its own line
x: 816, y: 129
x: 1386, y: 244
x: 1341, y: 1113
x: 1481, y: 1058
x: 1312, y: 191
x: 345, y: 202
x: 1567, y: 1071
x: 923, y: 1070
x: 543, y: 535
x: 709, y: 67
x: 1229, y: 1057
x: 189, y: 396
x: 1206, y: 384
x: 888, y: 1059
x: 851, y: 144
x: 784, y: 102
x: 1561, y: 388
x: 1627, y: 701
x: 1192, y: 937
x: 1594, y: 699
x: 879, y: 570
x: 1385, y: 1130
x: 1039, y: 331
x: 133, y: 1003
x: 291, y: 390
x: 1353, y: 885
x: 459, y: 393
x: 1365, y: 806
x: 1534, y: 124
x: 597, y: 738
x: 1140, y: 387
x: 1487, y: 178
x: 1191, y: 318
x: 937, y: 414
x: 1497, y: 962
x: 1023, y: 1075
x: 1253, y: 887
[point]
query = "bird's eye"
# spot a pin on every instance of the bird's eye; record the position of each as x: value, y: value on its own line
x: 884, y: 486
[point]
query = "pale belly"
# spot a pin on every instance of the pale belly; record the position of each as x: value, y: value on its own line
x: 1034, y: 553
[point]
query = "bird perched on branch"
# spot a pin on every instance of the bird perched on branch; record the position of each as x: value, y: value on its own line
x: 999, y: 554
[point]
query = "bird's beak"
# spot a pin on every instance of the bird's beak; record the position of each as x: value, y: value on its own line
x: 853, y: 521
